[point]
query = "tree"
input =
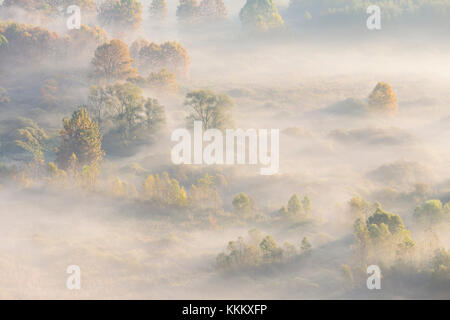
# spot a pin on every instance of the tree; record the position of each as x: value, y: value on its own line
x: 432, y: 212
x: 87, y: 38
x: 260, y: 15
x: 187, y: 11
x: 163, y: 81
x: 270, y: 250
x: 28, y: 44
x: 24, y: 140
x: 80, y: 137
x: 212, y: 109
x: 294, y: 205
x: 121, y: 13
x: 212, y: 10
x: 383, y: 99
x: 158, y: 10
x: 306, y: 245
x: 52, y: 7
x: 164, y: 190
x: 127, y: 119
x: 306, y: 204
x: 243, y: 204
x: 112, y: 61
x: 32, y: 139
x: 204, y: 195
x: 170, y: 55
x: 3, y: 40
x: 392, y: 221
x: 155, y: 116
x: 440, y: 267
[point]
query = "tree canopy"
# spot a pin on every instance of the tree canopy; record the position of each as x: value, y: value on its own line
x: 260, y: 15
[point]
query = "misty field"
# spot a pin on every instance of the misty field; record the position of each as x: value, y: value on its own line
x: 87, y: 176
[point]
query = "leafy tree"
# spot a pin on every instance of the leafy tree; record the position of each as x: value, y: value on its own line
x: 212, y: 10
x: 359, y: 207
x: 3, y: 40
x: 204, y: 195
x: 121, y: 13
x: 383, y: 235
x: 383, y: 99
x: 440, y: 267
x: 28, y: 44
x: 127, y: 119
x: 87, y: 38
x: 163, y: 81
x: 243, y: 204
x: 158, y: 10
x: 306, y: 245
x: 306, y: 204
x: 112, y: 61
x: 25, y: 140
x: 164, y: 190
x: 187, y: 11
x: 270, y: 250
x: 392, y: 221
x: 432, y: 212
x: 55, y: 175
x: 260, y: 15
x: 212, y: 109
x: 101, y: 103
x: 294, y: 206
x: 81, y: 137
x: 52, y: 7
x: 32, y: 139
x: 151, y: 57
x: 155, y: 116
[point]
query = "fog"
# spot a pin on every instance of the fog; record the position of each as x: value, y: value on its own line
x: 310, y: 86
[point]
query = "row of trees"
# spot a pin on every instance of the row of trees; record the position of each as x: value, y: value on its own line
x: 296, y: 208
x: 26, y: 44
x: 382, y: 237
x: 151, y: 57
x: 332, y: 12
x: 258, y: 251
x: 119, y: 15
x: 190, y: 11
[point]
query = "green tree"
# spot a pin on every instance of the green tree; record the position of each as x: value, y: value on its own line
x: 294, y: 206
x: 80, y: 136
x: 32, y: 139
x: 260, y: 15
x: 112, y: 61
x: 212, y: 10
x: 306, y: 204
x: 158, y: 10
x: 440, y: 267
x: 155, y: 116
x: 163, y: 82
x: 432, y: 212
x: 121, y: 13
x: 243, y: 204
x: 187, y: 11
x: 170, y: 55
x: 213, y: 110
x: 3, y: 40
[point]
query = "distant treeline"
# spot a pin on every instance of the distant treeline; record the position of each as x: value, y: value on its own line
x: 345, y: 12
